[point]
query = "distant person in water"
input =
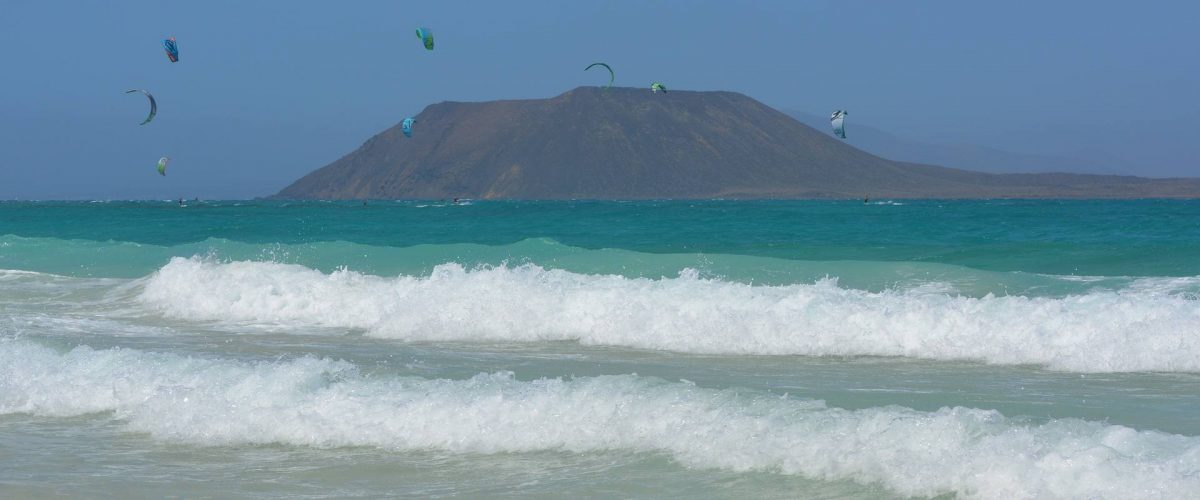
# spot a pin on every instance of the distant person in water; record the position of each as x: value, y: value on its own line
x: 456, y: 201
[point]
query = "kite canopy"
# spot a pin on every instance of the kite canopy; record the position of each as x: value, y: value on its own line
x: 162, y: 165
x: 658, y: 87
x: 153, y: 105
x: 172, y: 49
x: 426, y: 36
x: 837, y: 121
x: 407, y: 125
x: 612, y: 76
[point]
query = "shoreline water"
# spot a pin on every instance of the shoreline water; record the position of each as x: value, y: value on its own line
x: 1041, y: 350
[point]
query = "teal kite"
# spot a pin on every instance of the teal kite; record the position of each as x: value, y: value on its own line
x: 658, y: 87
x: 612, y: 76
x: 426, y: 36
x: 407, y: 126
x: 153, y: 105
x: 837, y: 120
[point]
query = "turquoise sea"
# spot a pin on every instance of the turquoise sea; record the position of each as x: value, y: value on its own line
x: 667, y: 349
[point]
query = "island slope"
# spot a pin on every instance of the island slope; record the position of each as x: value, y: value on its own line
x: 626, y: 143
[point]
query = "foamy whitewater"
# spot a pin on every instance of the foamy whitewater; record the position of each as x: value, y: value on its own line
x: 994, y: 350
x: 324, y: 403
x: 1102, y: 331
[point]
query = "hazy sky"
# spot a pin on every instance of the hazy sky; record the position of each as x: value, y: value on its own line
x: 268, y: 91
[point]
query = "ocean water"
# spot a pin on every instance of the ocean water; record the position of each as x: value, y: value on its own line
x: 718, y: 349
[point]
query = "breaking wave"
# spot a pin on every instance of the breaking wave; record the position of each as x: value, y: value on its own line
x: 325, y: 403
x: 1145, y: 328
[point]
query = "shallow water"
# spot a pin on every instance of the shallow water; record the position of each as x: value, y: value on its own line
x: 991, y: 349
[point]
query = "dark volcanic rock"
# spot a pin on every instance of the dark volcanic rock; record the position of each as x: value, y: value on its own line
x: 630, y: 143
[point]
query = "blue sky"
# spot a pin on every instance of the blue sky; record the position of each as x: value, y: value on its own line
x: 268, y: 91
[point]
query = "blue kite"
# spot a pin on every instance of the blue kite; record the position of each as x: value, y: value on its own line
x: 172, y: 49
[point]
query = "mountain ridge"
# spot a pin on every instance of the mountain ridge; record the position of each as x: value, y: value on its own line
x: 626, y: 143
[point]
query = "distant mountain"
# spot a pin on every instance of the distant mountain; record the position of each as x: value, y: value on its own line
x: 965, y: 156
x: 629, y: 143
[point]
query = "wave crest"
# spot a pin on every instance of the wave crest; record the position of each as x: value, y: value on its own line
x: 324, y: 403
x: 1101, y: 331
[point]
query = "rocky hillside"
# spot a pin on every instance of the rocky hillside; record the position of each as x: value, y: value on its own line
x: 628, y: 143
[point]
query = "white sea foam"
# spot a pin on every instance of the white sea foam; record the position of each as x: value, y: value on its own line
x: 1101, y: 331
x: 325, y: 403
x: 15, y: 274
x: 1188, y: 286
